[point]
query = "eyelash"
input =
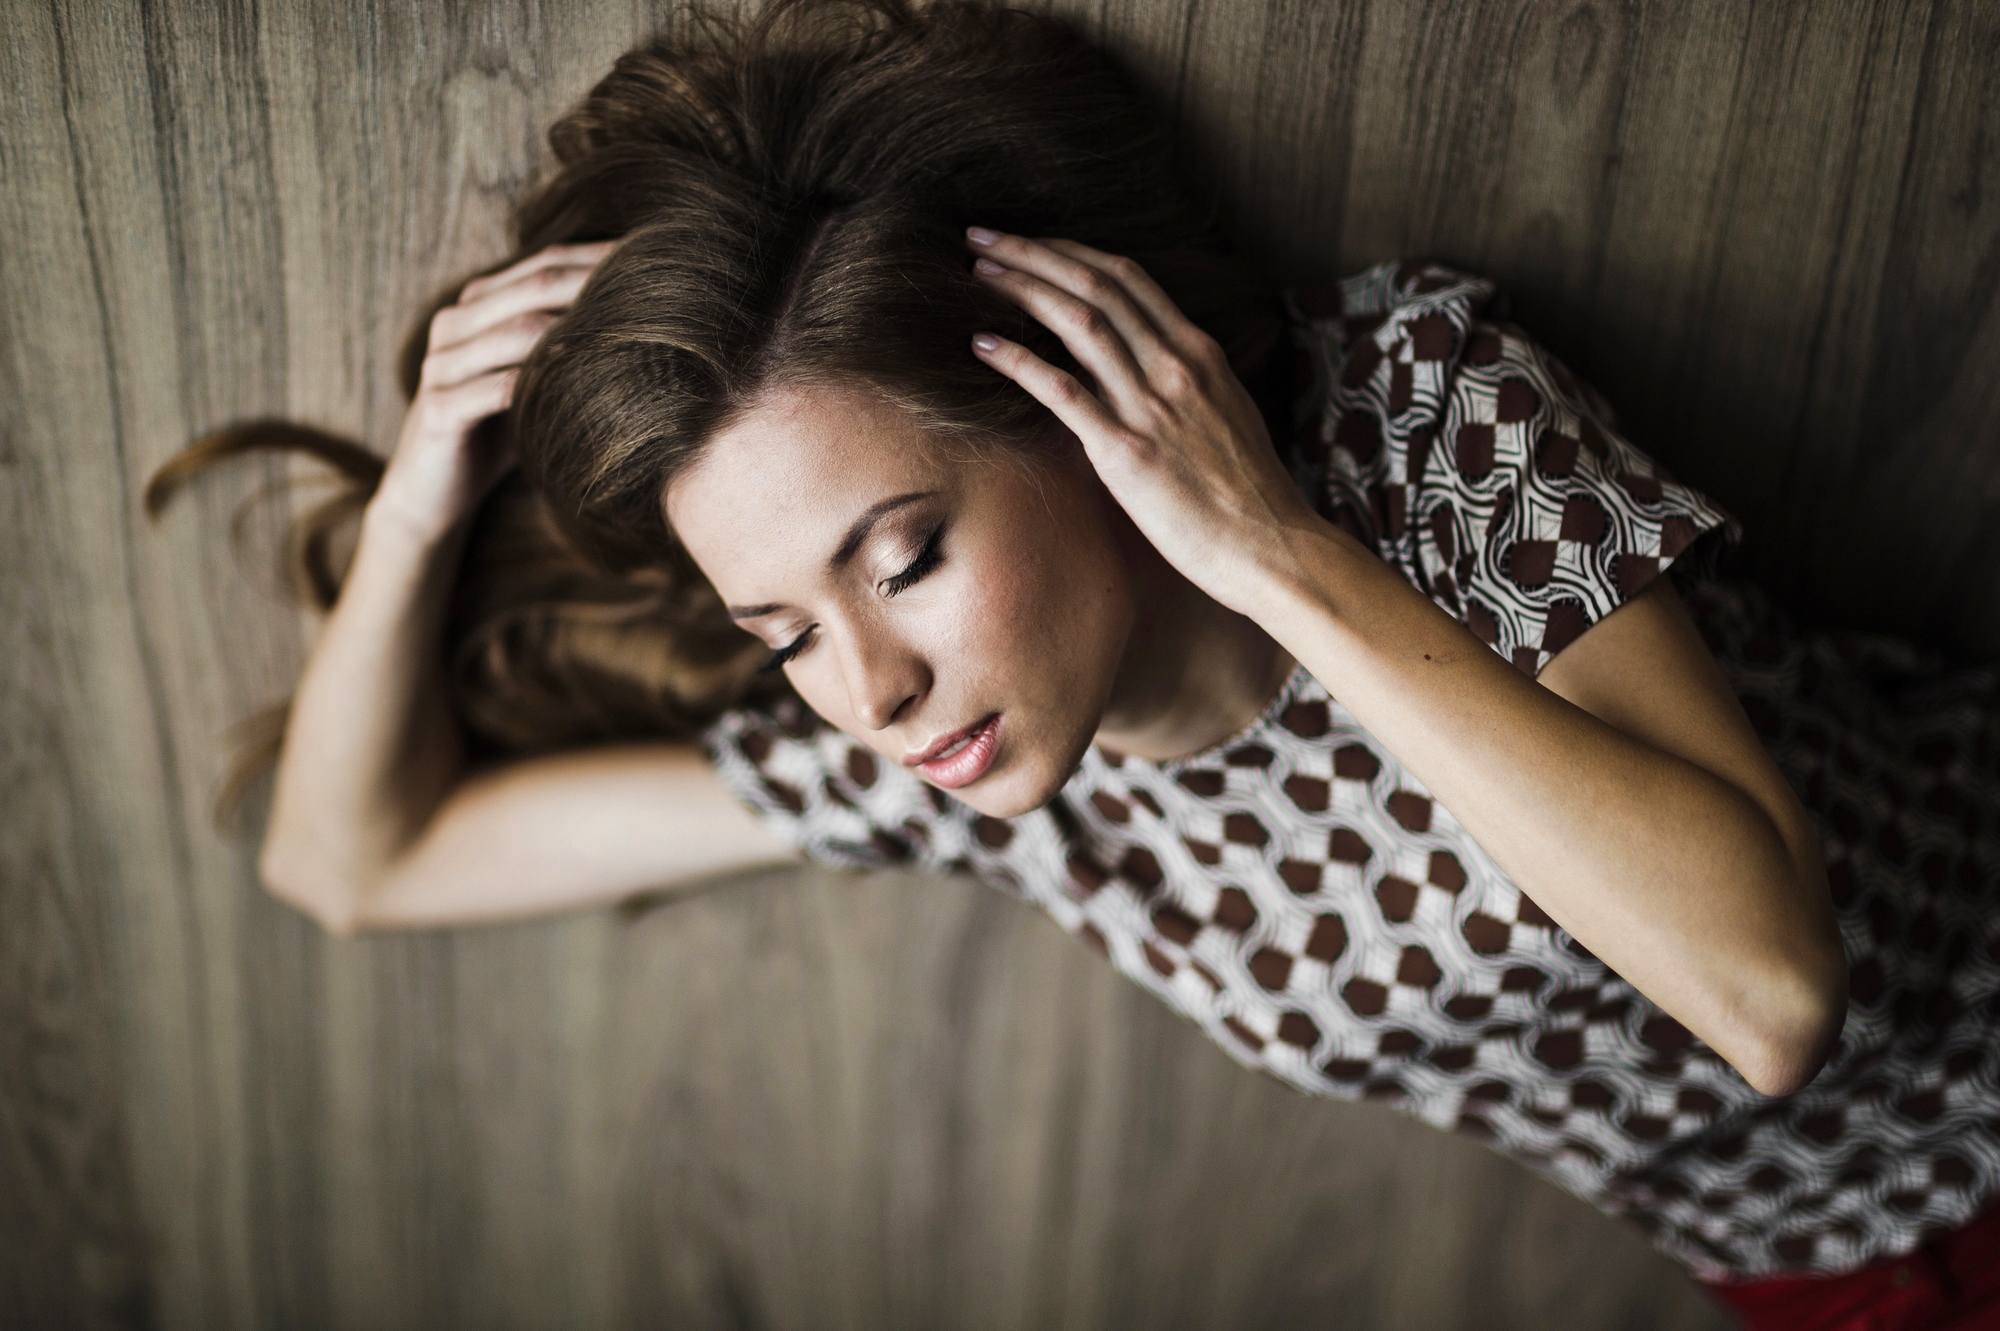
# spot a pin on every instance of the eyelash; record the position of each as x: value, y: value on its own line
x: 921, y: 567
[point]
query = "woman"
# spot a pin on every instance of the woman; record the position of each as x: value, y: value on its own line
x: 888, y: 424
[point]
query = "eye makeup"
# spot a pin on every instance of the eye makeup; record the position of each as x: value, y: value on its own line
x: 783, y: 656
x: 927, y: 560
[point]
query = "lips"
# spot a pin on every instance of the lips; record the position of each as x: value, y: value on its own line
x: 962, y: 757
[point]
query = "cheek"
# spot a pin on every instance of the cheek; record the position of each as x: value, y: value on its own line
x: 1002, y: 603
x: 1047, y: 614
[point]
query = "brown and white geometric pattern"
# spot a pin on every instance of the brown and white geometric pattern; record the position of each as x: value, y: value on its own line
x: 1300, y: 896
x: 1477, y: 464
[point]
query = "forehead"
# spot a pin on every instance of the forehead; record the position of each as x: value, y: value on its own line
x: 783, y: 481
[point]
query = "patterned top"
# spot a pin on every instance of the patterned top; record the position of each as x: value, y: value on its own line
x: 1298, y: 894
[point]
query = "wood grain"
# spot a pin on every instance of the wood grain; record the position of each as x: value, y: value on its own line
x: 1769, y: 232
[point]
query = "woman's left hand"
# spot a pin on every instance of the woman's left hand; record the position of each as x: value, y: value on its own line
x: 1170, y: 429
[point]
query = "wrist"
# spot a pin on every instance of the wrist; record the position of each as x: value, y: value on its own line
x: 400, y: 549
x: 1299, y: 567
x: 392, y: 519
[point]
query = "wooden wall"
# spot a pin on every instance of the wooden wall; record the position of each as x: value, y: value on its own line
x: 1771, y: 231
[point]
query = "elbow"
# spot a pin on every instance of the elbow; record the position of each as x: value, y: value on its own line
x: 341, y: 923
x: 330, y: 903
x: 1795, y: 1031
x: 1786, y: 1063
x: 1793, y: 1015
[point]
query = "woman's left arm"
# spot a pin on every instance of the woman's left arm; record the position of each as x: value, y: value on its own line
x: 1624, y: 790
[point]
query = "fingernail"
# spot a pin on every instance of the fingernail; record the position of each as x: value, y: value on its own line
x: 979, y: 235
x: 985, y: 342
x: 987, y: 267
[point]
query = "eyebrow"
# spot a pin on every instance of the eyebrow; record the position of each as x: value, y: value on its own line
x: 849, y: 546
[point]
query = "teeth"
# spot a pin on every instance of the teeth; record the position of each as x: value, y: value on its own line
x: 959, y: 746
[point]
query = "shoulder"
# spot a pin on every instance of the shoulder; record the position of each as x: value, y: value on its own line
x: 1380, y: 353
x: 1476, y: 463
x: 1411, y: 313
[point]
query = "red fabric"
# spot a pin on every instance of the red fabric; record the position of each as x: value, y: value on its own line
x: 1952, y: 1283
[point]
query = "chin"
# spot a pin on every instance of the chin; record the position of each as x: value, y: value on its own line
x: 1007, y: 799
x: 1023, y: 781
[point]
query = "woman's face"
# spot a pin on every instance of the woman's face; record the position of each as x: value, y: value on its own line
x: 965, y: 617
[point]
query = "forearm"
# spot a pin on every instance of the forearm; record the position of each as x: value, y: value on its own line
x: 372, y: 746
x: 1677, y: 879
x: 571, y: 830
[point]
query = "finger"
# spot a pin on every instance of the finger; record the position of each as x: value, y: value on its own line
x: 549, y: 256
x: 1084, y: 281
x: 547, y: 288
x: 503, y: 345
x: 1074, y: 405
x: 1086, y: 330
x: 1181, y: 332
x: 462, y: 406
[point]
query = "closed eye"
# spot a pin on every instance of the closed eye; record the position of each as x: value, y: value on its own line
x: 781, y: 657
x: 919, y: 568
x: 927, y: 561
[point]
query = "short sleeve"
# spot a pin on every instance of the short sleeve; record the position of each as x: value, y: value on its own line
x: 1476, y: 464
x: 831, y: 796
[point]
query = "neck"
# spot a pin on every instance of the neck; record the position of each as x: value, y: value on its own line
x: 1194, y: 672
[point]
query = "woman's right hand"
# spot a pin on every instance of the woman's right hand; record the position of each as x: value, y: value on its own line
x: 440, y: 469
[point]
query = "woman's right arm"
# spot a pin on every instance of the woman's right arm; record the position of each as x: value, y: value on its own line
x: 375, y: 821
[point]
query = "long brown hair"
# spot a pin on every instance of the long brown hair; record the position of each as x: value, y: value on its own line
x: 790, y: 192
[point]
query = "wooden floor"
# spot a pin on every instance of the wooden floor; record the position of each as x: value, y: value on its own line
x: 1771, y: 232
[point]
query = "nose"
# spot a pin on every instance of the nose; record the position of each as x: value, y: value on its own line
x: 884, y: 677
